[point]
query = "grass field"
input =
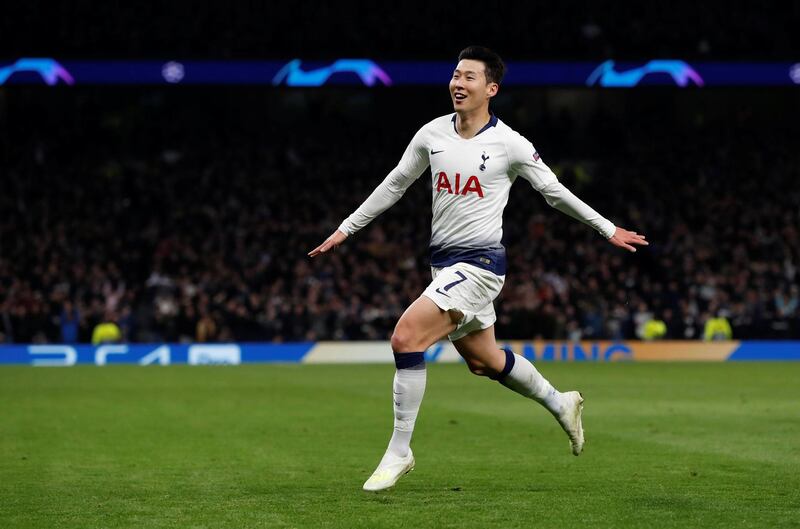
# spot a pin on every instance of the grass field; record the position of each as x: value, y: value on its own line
x: 668, y: 445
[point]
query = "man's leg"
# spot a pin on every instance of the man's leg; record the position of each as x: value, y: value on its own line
x: 422, y: 325
x: 479, y: 349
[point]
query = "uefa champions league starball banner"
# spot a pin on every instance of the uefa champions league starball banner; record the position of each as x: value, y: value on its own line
x: 376, y: 73
x: 53, y: 355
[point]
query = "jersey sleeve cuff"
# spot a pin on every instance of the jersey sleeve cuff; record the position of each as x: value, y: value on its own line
x: 607, y: 229
x: 344, y: 228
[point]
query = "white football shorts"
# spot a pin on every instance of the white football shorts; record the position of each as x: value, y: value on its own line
x: 468, y: 289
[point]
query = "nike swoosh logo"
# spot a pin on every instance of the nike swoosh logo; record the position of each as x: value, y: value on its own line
x: 436, y: 152
x: 442, y: 293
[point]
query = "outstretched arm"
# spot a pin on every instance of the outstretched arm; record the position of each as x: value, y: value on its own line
x: 528, y: 164
x: 388, y: 192
x: 385, y: 196
x: 561, y: 198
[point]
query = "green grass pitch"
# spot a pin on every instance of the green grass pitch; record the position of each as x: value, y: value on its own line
x: 668, y: 445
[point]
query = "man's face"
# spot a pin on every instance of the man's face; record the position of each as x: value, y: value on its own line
x: 469, y: 88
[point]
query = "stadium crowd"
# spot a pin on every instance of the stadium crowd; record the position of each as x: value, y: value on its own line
x: 187, y: 226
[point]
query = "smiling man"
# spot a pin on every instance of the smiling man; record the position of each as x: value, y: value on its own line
x: 474, y: 159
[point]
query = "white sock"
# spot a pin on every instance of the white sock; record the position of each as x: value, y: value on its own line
x: 408, y: 389
x: 528, y: 382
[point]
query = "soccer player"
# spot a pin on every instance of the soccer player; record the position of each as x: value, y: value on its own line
x: 474, y: 159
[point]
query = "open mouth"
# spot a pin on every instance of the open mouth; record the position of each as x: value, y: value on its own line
x: 459, y: 96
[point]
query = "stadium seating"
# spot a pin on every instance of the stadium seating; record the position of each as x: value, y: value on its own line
x: 189, y: 216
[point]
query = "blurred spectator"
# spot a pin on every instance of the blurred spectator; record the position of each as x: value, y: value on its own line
x: 786, y: 302
x: 69, y: 321
x: 107, y: 331
x: 654, y: 329
x: 717, y: 328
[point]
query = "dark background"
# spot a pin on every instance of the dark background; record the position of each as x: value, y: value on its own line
x: 524, y: 30
x: 185, y: 213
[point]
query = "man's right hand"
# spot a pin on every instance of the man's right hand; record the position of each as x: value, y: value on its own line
x: 624, y: 238
x: 330, y: 243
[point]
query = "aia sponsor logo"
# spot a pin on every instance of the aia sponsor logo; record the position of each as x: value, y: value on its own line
x: 472, y: 185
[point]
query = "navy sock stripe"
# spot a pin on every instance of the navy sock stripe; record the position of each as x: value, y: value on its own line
x: 509, y: 364
x: 406, y: 360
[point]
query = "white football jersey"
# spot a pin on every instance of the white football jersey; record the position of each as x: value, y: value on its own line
x: 471, y: 180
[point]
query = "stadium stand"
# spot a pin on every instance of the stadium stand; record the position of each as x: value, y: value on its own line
x: 188, y: 216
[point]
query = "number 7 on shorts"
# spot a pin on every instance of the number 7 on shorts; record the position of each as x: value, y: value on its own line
x: 454, y: 283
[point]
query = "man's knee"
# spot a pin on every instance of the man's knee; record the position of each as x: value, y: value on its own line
x: 479, y: 368
x: 487, y: 366
x: 403, y: 340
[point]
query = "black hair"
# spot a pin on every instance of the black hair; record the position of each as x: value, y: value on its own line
x: 495, y: 67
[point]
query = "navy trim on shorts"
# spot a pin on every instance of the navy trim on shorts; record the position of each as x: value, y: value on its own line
x: 490, y: 259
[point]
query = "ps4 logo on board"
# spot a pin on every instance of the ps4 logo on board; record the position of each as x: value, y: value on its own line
x: 607, y: 75
x: 292, y: 74
x: 142, y: 354
x: 48, y: 69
